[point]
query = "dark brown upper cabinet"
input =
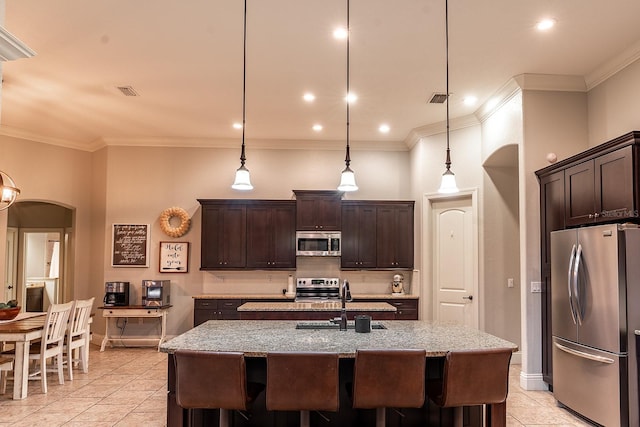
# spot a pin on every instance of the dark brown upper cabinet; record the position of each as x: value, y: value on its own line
x: 600, y: 189
x: 394, y: 235
x: 271, y: 229
x: 359, y: 235
x: 318, y: 210
x: 248, y: 234
x: 224, y: 226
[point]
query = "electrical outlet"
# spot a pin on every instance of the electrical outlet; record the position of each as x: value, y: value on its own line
x: 536, y: 287
x: 510, y: 282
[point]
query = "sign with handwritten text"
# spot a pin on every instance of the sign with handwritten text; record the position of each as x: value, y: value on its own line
x: 130, y: 245
x: 174, y: 257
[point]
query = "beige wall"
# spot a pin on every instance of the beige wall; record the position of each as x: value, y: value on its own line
x: 59, y: 175
x: 552, y: 122
x: 613, y: 106
x: 427, y: 167
x: 142, y: 181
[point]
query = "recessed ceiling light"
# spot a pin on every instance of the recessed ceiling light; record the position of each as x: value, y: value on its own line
x: 545, y: 24
x: 237, y: 125
x: 470, y: 100
x: 340, y: 33
x: 384, y: 128
x: 351, y: 97
x: 317, y: 128
x: 309, y: 97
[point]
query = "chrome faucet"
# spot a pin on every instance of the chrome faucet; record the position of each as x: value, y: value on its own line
x: 345, y: 296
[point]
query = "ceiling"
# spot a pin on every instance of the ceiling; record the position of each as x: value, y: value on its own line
x: 184, y: 60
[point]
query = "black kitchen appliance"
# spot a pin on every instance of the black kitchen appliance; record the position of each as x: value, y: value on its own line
x: 116, y: 294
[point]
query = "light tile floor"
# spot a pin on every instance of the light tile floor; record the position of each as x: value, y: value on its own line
x: 127, y: 387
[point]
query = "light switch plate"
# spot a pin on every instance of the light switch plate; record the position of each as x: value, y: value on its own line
x: 536, y: 287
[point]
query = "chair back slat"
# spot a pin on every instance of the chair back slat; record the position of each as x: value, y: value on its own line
x: 55, y: 325
x: 80, y: 315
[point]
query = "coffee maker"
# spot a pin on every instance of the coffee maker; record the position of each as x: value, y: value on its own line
x: 116, y: 294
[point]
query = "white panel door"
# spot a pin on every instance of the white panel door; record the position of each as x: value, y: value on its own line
x: 454, y: 262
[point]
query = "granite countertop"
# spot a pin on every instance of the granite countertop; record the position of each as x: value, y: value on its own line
x: 292, y: 297
x: 315, y: 306
x: 256, y: 338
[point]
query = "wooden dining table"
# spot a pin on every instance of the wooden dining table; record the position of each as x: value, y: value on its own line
x: 20, y: 331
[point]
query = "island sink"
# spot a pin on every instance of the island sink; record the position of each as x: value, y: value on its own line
x: 336, y: 326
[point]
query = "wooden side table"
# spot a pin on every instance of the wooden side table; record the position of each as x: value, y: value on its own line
x: 135, y: 311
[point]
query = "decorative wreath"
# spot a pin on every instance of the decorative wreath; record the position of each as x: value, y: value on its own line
x: 165, y: 222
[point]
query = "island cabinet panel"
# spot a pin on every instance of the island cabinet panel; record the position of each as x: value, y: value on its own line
x: 318, y: 210
x: 223, y: 235
x: 407, y: 308
x: 271, y: 228
x: 358, y: 235
x: 394, y: 235
x: 215, y: 309
x: 599, y: 185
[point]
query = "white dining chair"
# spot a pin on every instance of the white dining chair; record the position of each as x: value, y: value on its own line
x: 6, y: 365
x: 77, y: 340
x: 52, y: 343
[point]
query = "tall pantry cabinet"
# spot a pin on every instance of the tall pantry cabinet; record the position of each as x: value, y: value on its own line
x: 599, y: 185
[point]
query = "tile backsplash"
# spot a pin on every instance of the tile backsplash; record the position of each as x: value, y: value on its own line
x: 274, y: 282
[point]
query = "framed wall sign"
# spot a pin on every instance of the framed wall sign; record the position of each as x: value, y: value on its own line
x: 174, y: 257
x: 130, y: 245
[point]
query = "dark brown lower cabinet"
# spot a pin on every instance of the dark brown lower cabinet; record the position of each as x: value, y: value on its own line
x: 226, y: 309
x: 428, y: 415
x: 407, y: 308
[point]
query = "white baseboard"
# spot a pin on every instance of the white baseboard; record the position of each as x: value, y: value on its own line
x: 532, y: 382
x: 516, y: 358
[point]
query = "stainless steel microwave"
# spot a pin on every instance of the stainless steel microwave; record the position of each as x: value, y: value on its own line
x: 318, y: 243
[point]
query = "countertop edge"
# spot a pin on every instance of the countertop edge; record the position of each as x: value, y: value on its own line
x: 291, y: 298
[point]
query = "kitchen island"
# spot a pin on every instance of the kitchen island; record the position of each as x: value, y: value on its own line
x: 257, y: 338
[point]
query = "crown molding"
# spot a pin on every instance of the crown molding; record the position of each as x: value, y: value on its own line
x: 11, y: 48
x: 29, y: 136
x: 551, y: 82
x: 613, y: 66
x: 457, y: 123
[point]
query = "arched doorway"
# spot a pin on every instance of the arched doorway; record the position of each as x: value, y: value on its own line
x: 38, y: 249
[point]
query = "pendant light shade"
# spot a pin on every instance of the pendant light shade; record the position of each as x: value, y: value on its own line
x: 348, y: 177
x: 448, y: 184
x: 243, y: 180
x: 347, y: 180
x: 8, y: 191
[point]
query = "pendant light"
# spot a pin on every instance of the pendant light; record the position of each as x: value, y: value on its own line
x: 8, y: 191
x: 448, y: 184
x: 243, y: 180
x: 348, y: 178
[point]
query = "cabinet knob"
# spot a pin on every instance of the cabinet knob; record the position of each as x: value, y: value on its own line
x: 596, y: 214
x: 590, y: 216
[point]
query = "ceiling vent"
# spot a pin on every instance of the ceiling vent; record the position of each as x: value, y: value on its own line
x: 438, y: 98
x: 127, y: 91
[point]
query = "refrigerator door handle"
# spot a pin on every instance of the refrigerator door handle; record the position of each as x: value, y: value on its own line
x: 576, y: 289
x: 569, y: 280
x: 584, y: 355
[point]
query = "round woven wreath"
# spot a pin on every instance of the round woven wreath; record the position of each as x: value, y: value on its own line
x: 165, y: 222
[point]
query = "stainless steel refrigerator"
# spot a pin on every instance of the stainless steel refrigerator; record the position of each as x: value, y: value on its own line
x: 595, y: 309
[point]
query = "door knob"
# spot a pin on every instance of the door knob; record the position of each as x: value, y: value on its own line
x: 470, y: 297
